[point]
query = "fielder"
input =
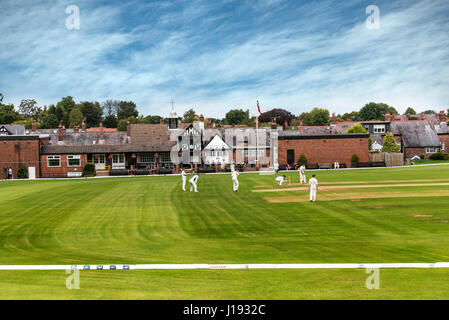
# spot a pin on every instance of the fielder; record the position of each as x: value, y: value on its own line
x: 313, y: 188
x: 184, y: 179
x: 302, y: 174
x: 276, y: 168
x: 336, y: 165
x: 280, y: 180
x: 235, y: 181
x: 193, y: 182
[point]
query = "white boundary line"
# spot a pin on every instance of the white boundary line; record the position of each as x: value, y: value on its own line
x: 436, y: 265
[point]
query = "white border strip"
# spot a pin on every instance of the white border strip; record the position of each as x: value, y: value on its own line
x: 436, y: 265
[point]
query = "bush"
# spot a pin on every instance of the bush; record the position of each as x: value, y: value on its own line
x: 390, y: 144
x: 22, y: 173
x: 437, y: 156
x: 422, y: 156
x: 89, y: 170
x: 354, y: 161
x: 357, y: 129
x: 302, y: 160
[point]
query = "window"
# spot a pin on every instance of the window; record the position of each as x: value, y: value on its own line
x: 53, y: 161
x: 99, y: 159
x: 431, y: 150
x: 443, y: 146
x: 164, y: 157
x: 252, y: 153
x: 118, y: 158
x: 145, y: 157
x: 379, y: 128
x: 73, y: 161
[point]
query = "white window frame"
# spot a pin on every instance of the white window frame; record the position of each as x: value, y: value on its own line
x: 97, y: 157
x: 74, y: 157
x: 53, y: 158
x: 443, y: 146
x: 143, y: 157
x: 120, y: 157
x: 429, y: 150
x: 379, y: 128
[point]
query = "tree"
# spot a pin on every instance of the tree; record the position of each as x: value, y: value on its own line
x: 357, y: 129
x: 189, y: 116
x: 127, y: 109
x: 76, y: 117
x: 353, y: 116
x: 122, y: 125
x: 429, y: 112
x: 151, y: 119
x: 354, y: 161
x: 376, y: 111
x: 111, y: 107
x: 410, y: 110
x: 92, y: 113
x: 28, y: 109
x: 1, y: 97
x: 238, y: 116
x: 279, y: 115
x: 390, y: 144
x: 68, y: 104
x: 110, y: 121
x: 302, y: 160
x: 48, y: 121
x: 62, y: 115
x: 316, y: 117
x: 7, y: 114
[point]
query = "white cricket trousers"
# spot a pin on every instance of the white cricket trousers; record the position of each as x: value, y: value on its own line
x: 193, y: 186
x: 184, y: 184
x: 312, y: 194
x: 236, y: 184
x: 302, y: 178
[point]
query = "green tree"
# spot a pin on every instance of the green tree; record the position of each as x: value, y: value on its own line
x: 354, y: 161
x: 429, y: 112
x: 238, y: 116
x: 353, y: 116
x: 62, y: 115
x: 151, y: 119
x: 122, y: 125
x: 110, y: 107
x: 410, y: 110
x: 28, y: 109
x: 390, y: 144
x: 302, y: 160
x: 67, y: 103
x: 376, y: 111
x: 76, y: 117
x: 7, y: 114
x: 189, y: 116
x: 92, y: 113
x: 110, y: 121
x: 127, y: 109
x: 316, y: 117
x: 357, y: 129
x: 48, y: 121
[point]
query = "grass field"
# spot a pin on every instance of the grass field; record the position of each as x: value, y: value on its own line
x: 362, y: 216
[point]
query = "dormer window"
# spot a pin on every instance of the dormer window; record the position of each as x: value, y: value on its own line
x: 379, y: 128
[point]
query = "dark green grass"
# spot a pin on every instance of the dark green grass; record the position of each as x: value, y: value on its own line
x: 149, y: 220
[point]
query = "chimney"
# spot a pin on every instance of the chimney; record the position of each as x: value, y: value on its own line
x: 285, y: 124
x: 101, y: 131
x: 273, y: 125
x: 161, y: 121
x: 33, y: 125
x: 333, y: 118
x: 442, y: 116
x: 209, y: 124
x: 300, y: 127
x: 61, y: 131
x: 83, y: 125
x: 76, y: 129
x: 388, y: 116
x: 201, y: 118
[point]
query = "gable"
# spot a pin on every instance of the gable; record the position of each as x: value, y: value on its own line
x: 4, y: 131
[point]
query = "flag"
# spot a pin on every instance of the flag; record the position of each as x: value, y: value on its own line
x: 258, y: 108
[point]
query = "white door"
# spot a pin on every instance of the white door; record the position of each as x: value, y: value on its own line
x: 31, y: 172
x: 100, y: 161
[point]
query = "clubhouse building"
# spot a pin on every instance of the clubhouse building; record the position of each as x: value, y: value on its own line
x: 166, y: 147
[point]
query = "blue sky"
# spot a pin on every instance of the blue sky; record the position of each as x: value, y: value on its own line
x: 217, y: 55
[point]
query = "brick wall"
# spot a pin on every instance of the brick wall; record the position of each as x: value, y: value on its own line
x: 60, y: 172
x: 327, y: 149
x: 15, y: 150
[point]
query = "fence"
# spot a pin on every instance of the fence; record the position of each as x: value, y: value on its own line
x: 391, y: 159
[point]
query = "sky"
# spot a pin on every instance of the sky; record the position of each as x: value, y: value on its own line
x: 218, y: 55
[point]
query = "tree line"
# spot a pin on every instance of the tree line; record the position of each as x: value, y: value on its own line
x: 118, y: 114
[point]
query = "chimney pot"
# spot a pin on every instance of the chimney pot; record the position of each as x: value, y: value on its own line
x: 301, y: 126
x: 83, y: 125
x: 161, y: 121
x: 76, y: 129
x: 388, y: 117
x: 33, y: 126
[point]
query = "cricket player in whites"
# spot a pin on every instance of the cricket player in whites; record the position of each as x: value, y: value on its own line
x: 280, y: 180
x: 193, y: 182
x: 302, y: 174
x: 235, y: 181
x: 313, y: 188
x: 184, y: 179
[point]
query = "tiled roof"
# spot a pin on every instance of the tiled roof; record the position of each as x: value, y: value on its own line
x: 418, y: 134
x: 15, y: 129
